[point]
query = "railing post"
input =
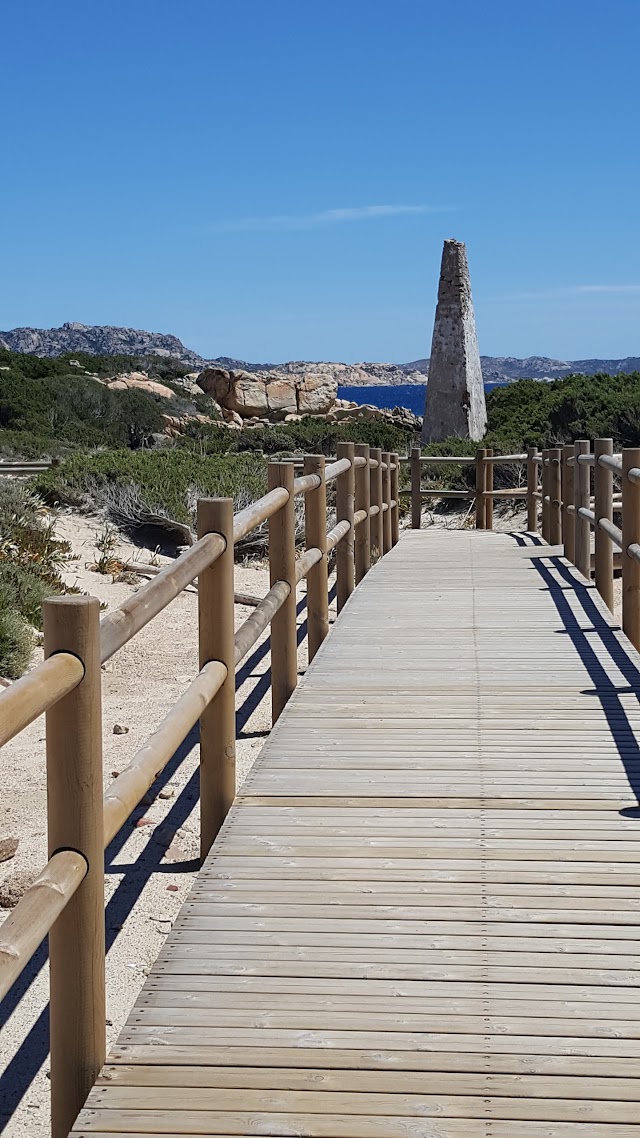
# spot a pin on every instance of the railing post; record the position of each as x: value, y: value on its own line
x: 555, y: 496
x: 532, y: 488
x: 568, y: 515
x: 75, y: 822
x: 582, y: 500
x: 315, y: 530
x: 416, y: 499
x: 395, y: 497
x: 216, y: 642
x: 282, y: 567
x: 630, y: 536
x: 345, y: 499
x: 488, y: 485
x: 376, y: 500
x: 545, y: 495
x: 603, y: 508
x: 363, y: 502
x: 481, y: 485
x: 386, y: 498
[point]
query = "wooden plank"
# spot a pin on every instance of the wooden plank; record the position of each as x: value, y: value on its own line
x: 421, y: 915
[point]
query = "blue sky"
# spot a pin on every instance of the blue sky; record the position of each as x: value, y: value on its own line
x: 274, y: 180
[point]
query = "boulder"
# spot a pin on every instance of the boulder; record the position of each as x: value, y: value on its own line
x: 140, y: 380
x: 316, y: 394
x: 269, y: 394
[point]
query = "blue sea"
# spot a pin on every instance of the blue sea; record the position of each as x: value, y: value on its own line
x: 409, y: 395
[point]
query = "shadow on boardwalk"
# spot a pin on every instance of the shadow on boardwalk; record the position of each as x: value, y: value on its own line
x: 613, y: 671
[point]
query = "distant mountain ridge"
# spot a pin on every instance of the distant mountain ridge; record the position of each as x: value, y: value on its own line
x: 104, y: 340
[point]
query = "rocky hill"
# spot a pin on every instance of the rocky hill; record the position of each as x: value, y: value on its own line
x: 108, y: 341
x: 97, y: 340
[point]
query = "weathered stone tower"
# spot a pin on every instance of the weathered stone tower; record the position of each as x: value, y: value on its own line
x: 454, y: 403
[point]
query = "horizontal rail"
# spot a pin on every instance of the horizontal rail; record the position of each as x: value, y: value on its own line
x: 587, y: 459
x: 447, y: 493
x: 443, y: 459
x: 305, y: 483
x: 611, y: 462
x: 373, y: 511
x: 612, y: 532
x: 360, y: 460
x: 337, y: 533
x: 634, y: 551
x: 258, y: 512
x: 588, y: 515
x: 36, y: 912
x: 510, y: 492
x: 306, y: 562
x: 36, y: 692
x: 634, y: 474
x: 496, y: 458
x: 120, y: 625
x: 124, y: 793
x: 253, y: 627
x: 17, y: 469
x: 340, y: 467
x: 362, y: 515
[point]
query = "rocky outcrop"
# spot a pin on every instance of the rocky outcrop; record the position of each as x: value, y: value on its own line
x: 98, y: 340
x: 270, y: 394
x: 139, y: 381
x: 105, y: 340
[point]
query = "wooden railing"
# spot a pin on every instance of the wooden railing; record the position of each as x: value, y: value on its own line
x: 582, y: 490
x: 66, y: 900
x: 484, y: 494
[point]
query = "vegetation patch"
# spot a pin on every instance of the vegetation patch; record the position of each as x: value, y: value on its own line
x: 30, y: 561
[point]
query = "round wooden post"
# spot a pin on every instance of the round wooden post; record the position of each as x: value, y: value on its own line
x: 416, y: 500
x: 568, y: 516
x: 315, y: 532
x: 630, y: 536
x: 395, y: 498
x: 545, y: 495
x: 386, y: 498
x: 582, y: 500
x: 376, y: 500
x: 282, y: 567
x: 216, y: 642
x: 488, y: 480
x: 363, y: 502
x: 345, y: 504
x: 532, y: 488
x: 555, y: 496
x: 75, y: 822
x: 481, y: 485
x: 603, y: 508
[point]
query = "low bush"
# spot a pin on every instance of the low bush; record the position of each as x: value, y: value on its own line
x: 16, y: 643
x: 143, y: 487
x: 30, y: 561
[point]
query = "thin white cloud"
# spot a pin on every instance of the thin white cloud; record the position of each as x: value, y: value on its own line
x: 609, y: 288
x: 289, y: 221
x: 569, y: 292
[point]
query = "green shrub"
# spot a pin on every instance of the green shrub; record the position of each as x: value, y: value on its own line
x: 24, y: 590
x: 16, y: 643
x: 580, y: 406
x: 30, y: 559
x: 164, y: 483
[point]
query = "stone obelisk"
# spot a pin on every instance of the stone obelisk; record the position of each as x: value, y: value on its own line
x: 454, y: 403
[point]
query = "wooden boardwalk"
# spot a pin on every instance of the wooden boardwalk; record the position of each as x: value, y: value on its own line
x: 420, y: 918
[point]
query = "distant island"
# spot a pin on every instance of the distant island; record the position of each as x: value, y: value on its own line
x: 104, y: 340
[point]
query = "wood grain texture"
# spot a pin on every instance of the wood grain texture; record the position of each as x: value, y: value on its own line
x: 420, y: 917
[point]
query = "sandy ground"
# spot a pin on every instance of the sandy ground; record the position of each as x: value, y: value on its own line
x: 144, y: 888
